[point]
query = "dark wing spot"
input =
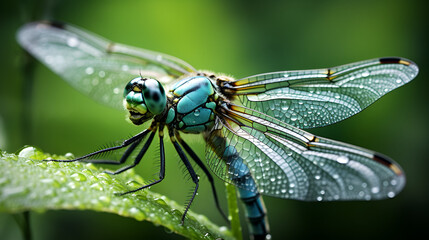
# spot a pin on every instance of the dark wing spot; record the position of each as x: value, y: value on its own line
x: 56, y: 24
x: 389, y: 60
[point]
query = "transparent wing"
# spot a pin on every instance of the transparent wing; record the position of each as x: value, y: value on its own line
x: 290, y: 163
x: 315, y: 98
x: 93, y: 65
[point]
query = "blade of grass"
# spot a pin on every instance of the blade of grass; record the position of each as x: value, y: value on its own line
x: 234, y: 218
x: 23, y: 221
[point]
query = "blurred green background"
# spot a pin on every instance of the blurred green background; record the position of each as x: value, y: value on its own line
x: 240, y: 38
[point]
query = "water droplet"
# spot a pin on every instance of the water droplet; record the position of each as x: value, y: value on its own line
x: 101, y: 74
x: 293, y: 118
x: 137, y: 214
x: 73, y: 185
x: 97, y: 186
x: 393, y: 182
x: 375, y: 190
x: 78, y: 177
x: 125, y: 68
x: 197, y: 112
x: 104, y: 199
x: 116, y: 90
x: 284, y: 106
x: 72, y: 42
x: 365, y: 74
x: 398, y: 81
x: 94, y: 82
x: 43, y: 165
x: 319, y: 198
x: 31, y: 152
x: 343, y: 159
x: 272, y: 179
x: 317, y: 177
x: 391, y: 194
x: 89, y: 70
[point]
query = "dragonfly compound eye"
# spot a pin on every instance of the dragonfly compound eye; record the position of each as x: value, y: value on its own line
x: 144, y: 98
x: 154, y: 96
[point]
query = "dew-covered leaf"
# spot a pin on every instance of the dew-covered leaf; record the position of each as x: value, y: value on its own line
x: 28, y: 183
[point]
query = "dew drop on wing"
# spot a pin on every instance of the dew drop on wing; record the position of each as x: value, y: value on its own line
x: 375, y: 190
x: 89, y: 70
x: 72, y: 42
x: 125, y: 68
x: 365, y: 74
x: 343, y: 159
x: 94, y: 82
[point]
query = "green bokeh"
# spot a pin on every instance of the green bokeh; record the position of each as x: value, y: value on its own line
x: 240, y: 38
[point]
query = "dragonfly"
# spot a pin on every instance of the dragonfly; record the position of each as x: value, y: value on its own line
x: 252, y: 126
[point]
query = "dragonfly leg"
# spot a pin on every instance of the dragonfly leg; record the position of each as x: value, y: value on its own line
x: 124, y: 157
x: 138, y: 157
x: 191, y: 171
x: 162, y: 164
x: 125, y: 143
x: 195, y: 157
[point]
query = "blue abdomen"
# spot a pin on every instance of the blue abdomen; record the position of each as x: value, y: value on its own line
x: 240, y: 175
x: 193, y: 104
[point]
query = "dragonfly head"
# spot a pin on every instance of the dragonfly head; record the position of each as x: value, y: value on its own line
x: 144, y: 98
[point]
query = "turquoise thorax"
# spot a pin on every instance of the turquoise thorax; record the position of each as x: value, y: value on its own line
x: 193, y: 106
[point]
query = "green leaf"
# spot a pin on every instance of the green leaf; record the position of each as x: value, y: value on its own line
x: 28, y: 183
